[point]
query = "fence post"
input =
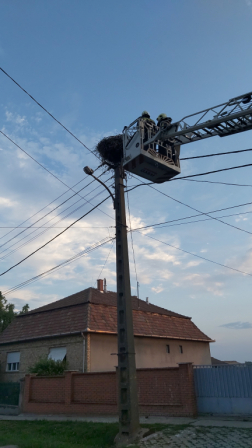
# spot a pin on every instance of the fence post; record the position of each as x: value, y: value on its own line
x: 187, y: 390
x: 68, y: 387
x: 21, y: 394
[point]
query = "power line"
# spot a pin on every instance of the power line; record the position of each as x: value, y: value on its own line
x: 199, y: 214
x: 112, y: 244
x: 212, y: 172
x: 196, y: 210
x: 191, y: 222
x: 41, y: 233
x: 19, y: 226
x: 44, y: 168
x: 198, y: 256
x: 82, y: 197
x: 40, y: 219
x: 55, y: 119
x: 52, y: 239
x: 62, y: 227
x: 215, y: 182
x: 131, y: 237
x: 194, y: 175
x: 59, y: 266
x: 217, y: 154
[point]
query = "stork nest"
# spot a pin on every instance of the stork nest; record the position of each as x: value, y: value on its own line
x: 110, y: 149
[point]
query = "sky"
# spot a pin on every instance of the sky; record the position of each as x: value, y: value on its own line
x: 96, y: 66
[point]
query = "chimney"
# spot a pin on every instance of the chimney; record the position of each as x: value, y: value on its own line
x: 100, y: 285
x: 105, y: 285
x: 147, y: 300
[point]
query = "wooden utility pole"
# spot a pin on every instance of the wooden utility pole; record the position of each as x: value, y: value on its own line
x: 127, y: 385
x: 129, y: 429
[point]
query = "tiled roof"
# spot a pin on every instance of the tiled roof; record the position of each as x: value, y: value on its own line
x: 92, y: 311
x: 109, y: 298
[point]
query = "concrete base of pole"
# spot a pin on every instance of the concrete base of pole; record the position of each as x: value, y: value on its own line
x: 122, y: 441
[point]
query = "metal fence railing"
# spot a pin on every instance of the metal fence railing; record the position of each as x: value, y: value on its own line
x: 9, y: 393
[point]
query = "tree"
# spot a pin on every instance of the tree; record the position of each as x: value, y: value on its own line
x: 7, y: 313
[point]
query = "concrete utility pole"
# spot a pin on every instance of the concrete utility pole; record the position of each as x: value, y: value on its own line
x: 126, y: 372
x: 127, y: 385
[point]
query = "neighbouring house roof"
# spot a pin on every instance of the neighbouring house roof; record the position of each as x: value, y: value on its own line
x: 96, y: 312
x: 216, y: 361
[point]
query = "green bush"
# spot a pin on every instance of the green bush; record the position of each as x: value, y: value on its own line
x: 48, y: 367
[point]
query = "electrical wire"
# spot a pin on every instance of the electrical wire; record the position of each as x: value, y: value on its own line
x: 206, y: 214
x: 194, y: 175
x: 191, y: 222
x: 211, y: 172
x: 217, y: 154
x: 19, y: 226
x: 215, y: 182
x: 131, y: 237
x: 42, y: 166
x: 196, y: 210
x: 52, y: 239
x: 44, y: 231
x: 200, y: 214
x: 52, y: 226
x: 62, y: 227
x: 40, y: 219
x: 52, y: 173
x: 198, y: 256
x: 59, y: 266
x: 112, y: 244
x: 42, y: 107
x: 83, y: 197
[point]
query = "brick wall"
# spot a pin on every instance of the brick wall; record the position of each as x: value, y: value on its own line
x: 166, y: 391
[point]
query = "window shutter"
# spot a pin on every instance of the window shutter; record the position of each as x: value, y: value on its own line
x: 13, y: 357
x: 57, y: 353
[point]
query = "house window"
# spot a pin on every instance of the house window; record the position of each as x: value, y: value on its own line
x: 181, y: 349
x: 168, y: 349
x: 57, y: 353
x: 13, y: 359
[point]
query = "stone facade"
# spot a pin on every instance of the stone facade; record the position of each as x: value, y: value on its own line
x: 31, y: 351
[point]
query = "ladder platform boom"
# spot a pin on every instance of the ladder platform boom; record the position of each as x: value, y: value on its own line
x: 229, y: 118
x: 153, y: 153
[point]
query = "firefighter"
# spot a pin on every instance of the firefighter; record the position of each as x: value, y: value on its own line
x: 146, y: 117
x: 163, y: 117
x: 164, y: 148
x: 149, y: 127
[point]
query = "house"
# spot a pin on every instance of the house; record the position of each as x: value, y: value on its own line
x: 83, y: 328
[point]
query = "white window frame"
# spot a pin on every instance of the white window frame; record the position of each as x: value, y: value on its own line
x: 13, y: 362
x: 57, y: 353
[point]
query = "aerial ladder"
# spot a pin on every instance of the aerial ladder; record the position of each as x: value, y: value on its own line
x: 153, y: 153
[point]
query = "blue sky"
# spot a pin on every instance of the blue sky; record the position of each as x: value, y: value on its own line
x: 96, y: 66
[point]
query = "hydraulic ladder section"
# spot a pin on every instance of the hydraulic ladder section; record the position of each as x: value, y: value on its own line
x: 225, y: 119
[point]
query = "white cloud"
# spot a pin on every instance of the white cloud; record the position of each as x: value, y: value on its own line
x: 5, y: 202
x: 15, y: 118
x: 249, y: 3
x: 192, y: 263
x: 157, y: 289
x: 202, y: 282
